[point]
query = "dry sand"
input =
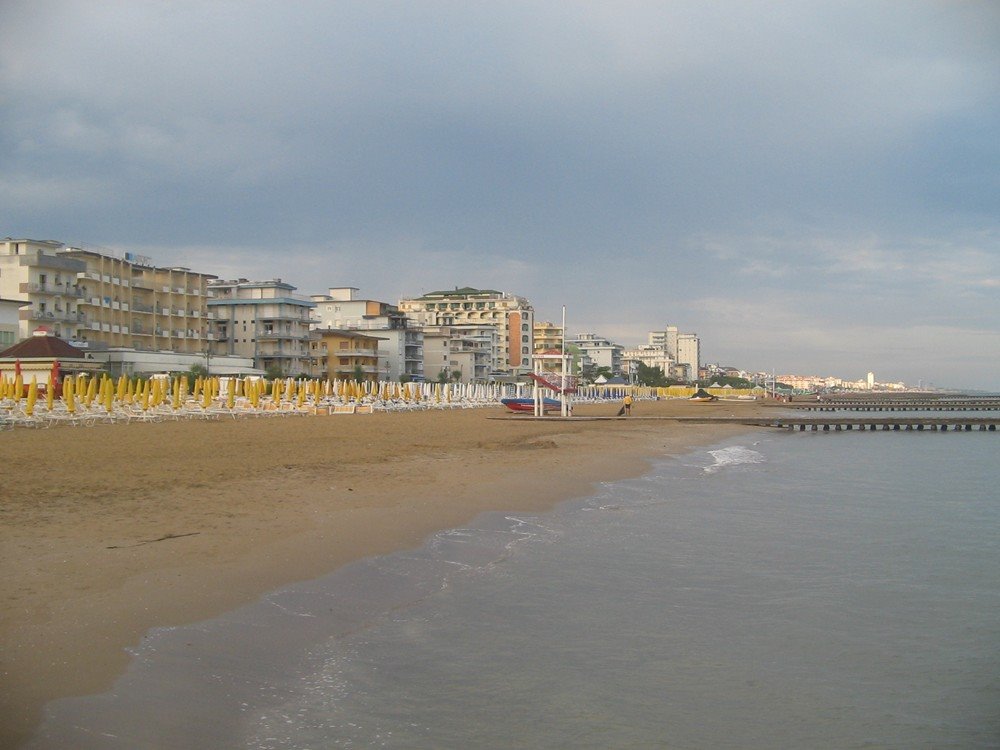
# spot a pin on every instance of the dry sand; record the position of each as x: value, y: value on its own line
x: 108, y: 531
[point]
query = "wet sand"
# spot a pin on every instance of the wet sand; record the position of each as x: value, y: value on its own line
x: 108, y: 531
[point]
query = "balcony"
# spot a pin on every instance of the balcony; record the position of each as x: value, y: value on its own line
x: 304, y: 319
x: 278, y: 336
x: 63, y: 290
x: 47, y: 315
x: 139, y: 307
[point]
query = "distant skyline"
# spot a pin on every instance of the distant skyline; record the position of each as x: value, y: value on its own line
x: 809, y: 187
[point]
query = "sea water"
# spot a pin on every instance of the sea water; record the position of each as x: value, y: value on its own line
x: 773, y: 591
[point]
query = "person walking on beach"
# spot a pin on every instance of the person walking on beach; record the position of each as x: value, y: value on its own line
x: 627, y: 404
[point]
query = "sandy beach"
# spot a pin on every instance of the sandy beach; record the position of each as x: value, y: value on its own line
x: 111, y: 530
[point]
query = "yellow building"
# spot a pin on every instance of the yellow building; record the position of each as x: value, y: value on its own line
x: 350, y: 355
x: 547, y: 336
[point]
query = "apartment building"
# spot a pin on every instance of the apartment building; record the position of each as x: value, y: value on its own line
x: 546, y: 337
x: 512, y: 316
x: 9, y: 323
x: 345, y: 355
x: 263, y: 320
x: 102, y: 300
x: 400, y: 343
x: 598, y: 351
x: 689, y: 354
x: 683, y: 348
x: 471, y: 351
x: 649, y: 355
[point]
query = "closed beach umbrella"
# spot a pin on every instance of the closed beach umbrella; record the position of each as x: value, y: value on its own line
x: 68, y: 386
x: 91, y: 391
x: 50, y: 396
x: 144, y: 402
x: 231, y: 394
x: 109, y: 396
x: 176, y: 403
x: 18, y: 383
x: 29, y: 407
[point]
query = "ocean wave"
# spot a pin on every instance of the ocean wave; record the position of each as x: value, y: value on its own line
x: 734, y: 455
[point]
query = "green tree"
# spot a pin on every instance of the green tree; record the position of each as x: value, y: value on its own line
x: 651, y: 376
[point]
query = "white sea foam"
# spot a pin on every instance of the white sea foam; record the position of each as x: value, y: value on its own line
x: 734, y: 455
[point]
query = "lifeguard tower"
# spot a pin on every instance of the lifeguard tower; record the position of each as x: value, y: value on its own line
x: 559, y: 381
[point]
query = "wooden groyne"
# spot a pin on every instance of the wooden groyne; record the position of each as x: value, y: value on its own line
x: 807, y: 424
x: 889, y: 406
x: 884, y: 424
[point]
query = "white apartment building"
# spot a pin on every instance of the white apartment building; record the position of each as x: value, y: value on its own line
x: 598, y: 351
x: 651, y: 356
x: 689, y: 353
x: 10, y: 324
x: 683, y: 348
x: 101, y: 300
x: 400, y: 345
x: 512, y: 316
x: 263, y: 320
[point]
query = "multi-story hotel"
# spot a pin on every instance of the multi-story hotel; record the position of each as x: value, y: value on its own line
x: 512, y: 316
x: 101, y: 301
x: 264, y: 320
x: 401, y: 345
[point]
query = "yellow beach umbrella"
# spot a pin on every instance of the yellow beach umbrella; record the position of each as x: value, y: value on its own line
x: 206, y: 396
x: 91, y: 392
x: 109, y: 397
x: 176, y: 403
x: 144, y: 402
x: 50, y: 396
x: 122, y: 387
x: 18, y: 387
x: 68, y: 396
x: 231, y: 394
x: 29, y: 407
x: 130, y: 386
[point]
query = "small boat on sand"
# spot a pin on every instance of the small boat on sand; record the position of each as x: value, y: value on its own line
x: 703, y: 396
x: 528, y: 404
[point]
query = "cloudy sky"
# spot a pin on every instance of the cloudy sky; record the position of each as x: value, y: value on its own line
x: 809, y: 186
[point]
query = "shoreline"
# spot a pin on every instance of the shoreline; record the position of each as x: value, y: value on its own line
x: 131, y: 527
